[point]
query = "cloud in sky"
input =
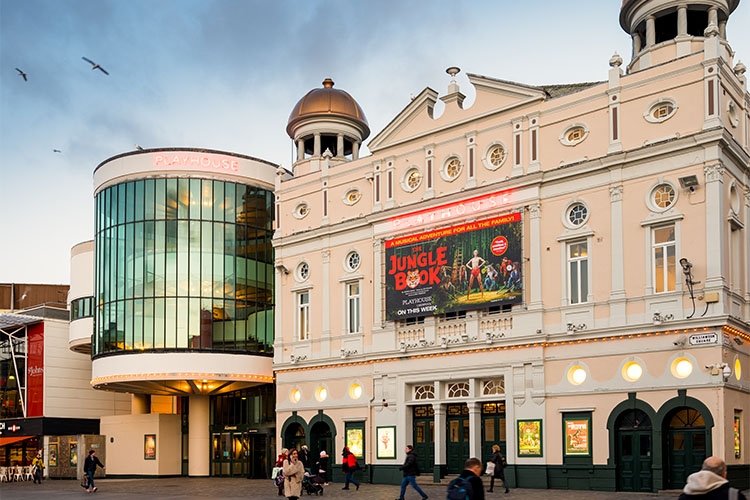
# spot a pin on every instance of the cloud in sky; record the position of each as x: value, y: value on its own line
x: 225, y: 74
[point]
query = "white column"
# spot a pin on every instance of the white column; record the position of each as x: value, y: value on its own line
x: 377, y: 285
x: 535, y: 256
x: 716, y: 228
x: 475, y: 429
x: 355, y: 150
x: 637, y: 44
x: 650, y: 31
x: 316, y: 145
x: 325, y: 303
x: 713, y: 16
x: 300, y: 149
x: 617, y: 314
x: 199, y: 441
x: 681, y: 20
x: 440, y: 444
x: 339, y: 145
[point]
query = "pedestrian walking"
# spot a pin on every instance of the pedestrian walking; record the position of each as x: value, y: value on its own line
x: 410, y: 470
x: 349, y: 465
x: 304, y: 457
x: 468, y: 486
x: 499, y: 473
x: 37, y: 466
x: 323, y: 467
x: 89, y: 467
x: 294, y: 471
x: 710, y: 483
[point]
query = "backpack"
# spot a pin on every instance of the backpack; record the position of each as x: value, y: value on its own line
x: 460, y: 489
x: 279, y: 479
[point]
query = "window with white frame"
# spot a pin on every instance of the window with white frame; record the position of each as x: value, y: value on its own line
x: 353, y: 308
x: 303, y: 315
x: 458, y: 390
x: 664, y: 249
x: 578, y: 271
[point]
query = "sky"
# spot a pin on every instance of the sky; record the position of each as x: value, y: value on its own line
x: 225, y: 74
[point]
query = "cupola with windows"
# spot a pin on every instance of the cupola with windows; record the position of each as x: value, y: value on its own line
x: 664, y: 30
x: 326, y: 123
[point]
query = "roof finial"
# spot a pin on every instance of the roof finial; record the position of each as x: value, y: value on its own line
x: 328, y: 83
x: 453, y: 71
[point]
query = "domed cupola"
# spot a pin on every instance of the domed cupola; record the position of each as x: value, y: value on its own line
x: 663, y: 30
x: 327, y: 121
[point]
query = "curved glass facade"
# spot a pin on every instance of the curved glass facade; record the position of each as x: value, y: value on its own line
x: 183, y: 264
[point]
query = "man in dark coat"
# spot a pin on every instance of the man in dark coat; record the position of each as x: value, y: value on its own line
x: 709, y: 483
x: 473, y: 471
x: 411, y: 469
x: 89, y: 468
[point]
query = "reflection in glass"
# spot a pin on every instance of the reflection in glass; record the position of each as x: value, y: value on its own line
x: 183, y: 264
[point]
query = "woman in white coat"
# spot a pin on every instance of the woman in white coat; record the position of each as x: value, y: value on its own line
x: 294, y: 471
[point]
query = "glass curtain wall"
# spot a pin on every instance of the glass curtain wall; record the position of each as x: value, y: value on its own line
x: 183, y: 264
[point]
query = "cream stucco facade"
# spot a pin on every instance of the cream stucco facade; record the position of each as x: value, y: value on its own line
x: 631, y: 197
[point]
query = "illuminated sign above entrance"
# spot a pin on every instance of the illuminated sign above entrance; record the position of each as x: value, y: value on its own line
x: 194, y: 160
x: 464, y: 208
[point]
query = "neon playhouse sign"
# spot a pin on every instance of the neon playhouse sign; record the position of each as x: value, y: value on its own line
x: 472, y: 206
x: 195, y: 160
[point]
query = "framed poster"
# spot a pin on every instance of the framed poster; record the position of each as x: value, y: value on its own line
x: 53, y: 451
x: 149, y: 447
x: 577, y: 432
x: 530, y: 438
x: 73, y: 454
x: 386, y: 437
x: 355, y: 438
x: 737, y: 445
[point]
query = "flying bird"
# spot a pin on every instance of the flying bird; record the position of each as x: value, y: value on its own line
x: 22, y: 74
x: 95, y: 65
x: 56, y: 151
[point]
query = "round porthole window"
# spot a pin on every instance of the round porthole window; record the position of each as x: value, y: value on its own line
x: 412, y: 180
x: 577, y: 375
x: 355, y: 391
x: 662, y: 197
x: 574, y: 134
x: 495, y: 156
x: 295, y: 395
x: 632, y: 371
x: 303, y: 271
x: 352, y: 261
x: 660, y: 111
x: 576, y: 215
x: 321, y: 393
x: 301, y: 210
x: 352, y: 196
x: 681, y: 368
x: 452, y: 168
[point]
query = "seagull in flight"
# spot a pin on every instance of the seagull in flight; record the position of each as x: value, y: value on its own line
x: 95, y: 65
x: 56, y: 151
x: 22, y: 75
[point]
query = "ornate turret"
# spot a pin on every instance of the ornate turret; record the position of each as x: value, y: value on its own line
x: 663, y: 30
x: 326, y: 121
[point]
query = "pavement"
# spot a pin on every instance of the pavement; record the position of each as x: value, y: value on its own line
x: 235, y: 488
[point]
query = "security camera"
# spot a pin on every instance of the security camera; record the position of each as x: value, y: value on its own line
x: 726, y: 372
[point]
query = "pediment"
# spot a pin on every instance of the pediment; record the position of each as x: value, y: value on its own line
x: 417, y: 118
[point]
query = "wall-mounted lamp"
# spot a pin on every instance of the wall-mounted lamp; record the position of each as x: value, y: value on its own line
x: 738, y: 340
x: 282, y: 268
x: 689, y: 182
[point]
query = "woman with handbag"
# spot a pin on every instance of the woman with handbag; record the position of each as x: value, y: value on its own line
x: 499, y: 472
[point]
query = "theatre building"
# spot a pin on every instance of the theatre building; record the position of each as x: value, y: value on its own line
x: 178, y: 286
x: 559, y: 269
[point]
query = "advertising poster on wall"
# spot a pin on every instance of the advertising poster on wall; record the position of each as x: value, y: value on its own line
x: 577, y: 437
x: 469, y: 266
x: 529, y: 438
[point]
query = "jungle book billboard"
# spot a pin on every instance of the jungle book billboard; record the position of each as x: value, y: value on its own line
x: 468, y: 266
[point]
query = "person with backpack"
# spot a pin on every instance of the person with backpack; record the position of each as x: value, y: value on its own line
x: 349, y: 466
x: 499, y: 460
x: 468, y: 486
x: 411, y: 470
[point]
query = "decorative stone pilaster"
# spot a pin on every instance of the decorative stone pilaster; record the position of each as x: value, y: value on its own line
x: 535, y: 256
x: 716, y: 226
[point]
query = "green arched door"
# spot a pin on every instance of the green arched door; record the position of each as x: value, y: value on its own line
x: 686, y: 445
x: 457, y: 442
x: 424, y: 437
x: 634, y: 442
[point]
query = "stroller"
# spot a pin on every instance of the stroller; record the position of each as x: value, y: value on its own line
x: 313, y: 485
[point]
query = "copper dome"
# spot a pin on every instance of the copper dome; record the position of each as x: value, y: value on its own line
x: 328, y: 102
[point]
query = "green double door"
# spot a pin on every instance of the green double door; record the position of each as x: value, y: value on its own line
x: 424, y: 437
x: 457, y: 442
x: 634, y: 460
